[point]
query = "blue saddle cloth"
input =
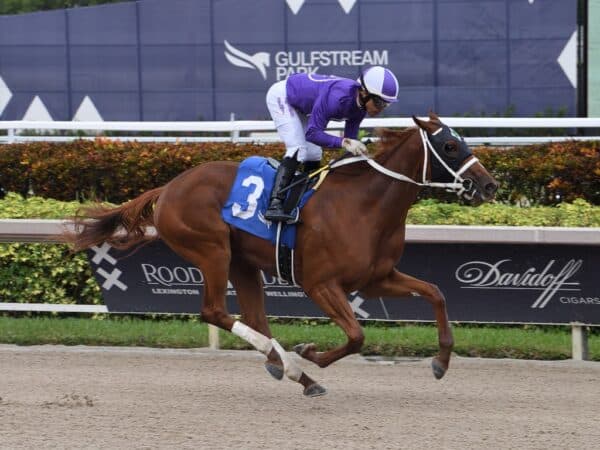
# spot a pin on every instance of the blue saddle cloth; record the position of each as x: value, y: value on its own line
x: 249, y: 199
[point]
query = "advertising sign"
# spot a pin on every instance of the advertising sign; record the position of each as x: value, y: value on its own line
x: 481, y: 283
x: 165, y: 60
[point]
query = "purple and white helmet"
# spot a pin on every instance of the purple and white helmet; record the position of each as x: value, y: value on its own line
x: 380, y: 81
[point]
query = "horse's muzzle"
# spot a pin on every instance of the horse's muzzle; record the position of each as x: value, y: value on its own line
x: 490, y: 190
x: 476, y: 194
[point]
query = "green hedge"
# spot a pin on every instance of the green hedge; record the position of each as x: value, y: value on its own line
x: 116, y: 171
x: 43, y: 273
x: 579, y: 213
x: 108, y: 170
x: 548, y: 173
x: 46, y: 273
x: 49, y: 273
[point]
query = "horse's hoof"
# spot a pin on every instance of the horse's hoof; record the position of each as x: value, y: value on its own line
x: 301, y: 349
x: 438, y: 369
x: 275, y: 370
x: 315, y: 390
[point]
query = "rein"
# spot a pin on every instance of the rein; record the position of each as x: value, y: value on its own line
x: 459, y: 185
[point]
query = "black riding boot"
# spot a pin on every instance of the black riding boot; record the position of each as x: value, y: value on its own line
x: 285, y: 173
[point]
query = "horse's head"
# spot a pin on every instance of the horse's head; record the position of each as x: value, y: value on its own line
x: 452, y: 160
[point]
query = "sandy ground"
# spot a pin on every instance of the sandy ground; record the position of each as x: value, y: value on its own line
x: 89, y: 397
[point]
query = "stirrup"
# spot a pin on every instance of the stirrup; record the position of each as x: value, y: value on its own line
x: 295, y: 213
x: 279, y: 215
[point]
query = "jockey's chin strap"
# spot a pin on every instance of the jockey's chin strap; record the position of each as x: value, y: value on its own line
x: 460, y: 185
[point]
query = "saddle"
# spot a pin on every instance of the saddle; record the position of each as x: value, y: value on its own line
x: 249, y: 198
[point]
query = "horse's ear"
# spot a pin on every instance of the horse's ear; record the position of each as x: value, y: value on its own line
x: 420, y: 123
x: 434, y: 117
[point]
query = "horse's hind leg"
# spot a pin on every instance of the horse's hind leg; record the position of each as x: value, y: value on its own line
x: 247, y: 281
x: 213, y: 260
x: 332, y: 300
x: 398, y: 284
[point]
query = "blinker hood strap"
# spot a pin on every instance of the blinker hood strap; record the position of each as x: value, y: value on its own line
x: 460, y: 185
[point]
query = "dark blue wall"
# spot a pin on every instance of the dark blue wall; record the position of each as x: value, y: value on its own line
x: 166, y: 59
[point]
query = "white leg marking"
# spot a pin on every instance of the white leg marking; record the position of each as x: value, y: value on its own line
x: 259, y: 341
x: 290, y: 368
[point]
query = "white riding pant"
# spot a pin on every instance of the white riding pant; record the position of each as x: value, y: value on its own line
x: 291, y: 125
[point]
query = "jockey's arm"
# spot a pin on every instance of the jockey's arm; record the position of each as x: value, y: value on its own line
x: 317, y: 123
x: 351, y: 128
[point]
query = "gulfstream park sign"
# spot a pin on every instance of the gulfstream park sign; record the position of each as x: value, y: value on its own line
x: 287, y: 63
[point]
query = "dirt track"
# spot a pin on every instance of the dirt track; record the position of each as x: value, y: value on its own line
x: 76, y: 397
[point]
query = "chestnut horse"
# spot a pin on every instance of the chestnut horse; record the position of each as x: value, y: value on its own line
x: 350, y: 236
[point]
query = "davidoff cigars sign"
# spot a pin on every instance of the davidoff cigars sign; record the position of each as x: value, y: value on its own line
x: 509, y: 283
x: 481, y: 283
x: 550, y: 280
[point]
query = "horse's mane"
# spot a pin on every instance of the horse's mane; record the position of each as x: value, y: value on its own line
x: 389, y: 141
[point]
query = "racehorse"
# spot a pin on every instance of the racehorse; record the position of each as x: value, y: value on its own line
x: 350, y: 236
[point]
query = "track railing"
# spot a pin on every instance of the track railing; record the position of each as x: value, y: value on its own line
x: 263, y: 131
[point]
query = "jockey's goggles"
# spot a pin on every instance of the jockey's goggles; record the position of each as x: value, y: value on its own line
x: 379, y: 102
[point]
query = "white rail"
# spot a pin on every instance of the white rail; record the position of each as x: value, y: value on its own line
x: 473, y: 141
x: 17, y: 130
x: 263, y: 125
x: 48, y: 231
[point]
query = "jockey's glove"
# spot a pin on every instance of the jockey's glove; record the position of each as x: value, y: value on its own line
x: 355, y: 147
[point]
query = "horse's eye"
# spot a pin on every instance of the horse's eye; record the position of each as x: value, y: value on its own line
x: 449, y: 147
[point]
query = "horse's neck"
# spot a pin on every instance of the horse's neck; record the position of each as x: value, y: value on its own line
x: 371, y: 194
x: 393, y: 198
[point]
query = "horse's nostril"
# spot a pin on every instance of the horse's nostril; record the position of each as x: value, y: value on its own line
x: 491, y: 188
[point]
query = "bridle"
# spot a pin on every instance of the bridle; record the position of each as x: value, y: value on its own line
x: 461, y: 186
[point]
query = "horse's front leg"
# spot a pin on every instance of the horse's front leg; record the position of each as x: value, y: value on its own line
x: 254, y: 327
x: 333, y: 301
x: 398, y: 284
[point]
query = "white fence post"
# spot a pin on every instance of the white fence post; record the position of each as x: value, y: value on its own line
x: 579, y: 342
x: 235, y: 134
x: 213, y: 337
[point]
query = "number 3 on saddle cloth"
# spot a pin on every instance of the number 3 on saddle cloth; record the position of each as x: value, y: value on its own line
x: 249, y: 199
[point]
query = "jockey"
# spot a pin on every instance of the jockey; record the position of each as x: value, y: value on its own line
x: 301, y: 108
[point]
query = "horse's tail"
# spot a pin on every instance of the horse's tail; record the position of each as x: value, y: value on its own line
x: 122, y: 227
